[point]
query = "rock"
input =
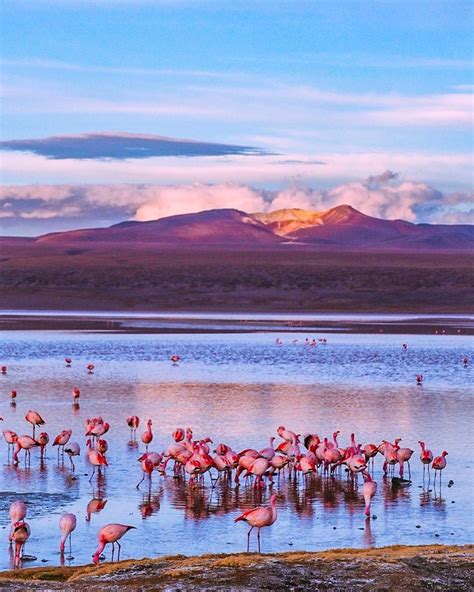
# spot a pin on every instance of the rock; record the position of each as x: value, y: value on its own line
x: 418, y: 526
x: 450, y: 483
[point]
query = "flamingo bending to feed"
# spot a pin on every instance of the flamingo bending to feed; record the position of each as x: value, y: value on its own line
x: 147, y: 468
x: 21, y: 533
x: 439, y: 463
x: 110, y: 533
x: 369, y: 489
x: 35, y: 419
x: 404, y: 455
x: 72, y: 449
x: 147, y: 436
x: 10, y: 438
x: 259, y: 518
x: 25, y: 443
x: 17, y: 513
x: 67, y: 523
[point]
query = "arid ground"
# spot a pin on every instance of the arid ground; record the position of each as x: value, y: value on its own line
x: 394, y: 569
x: 50, y: 277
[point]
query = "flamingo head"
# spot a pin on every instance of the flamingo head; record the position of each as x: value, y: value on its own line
x: 149, y: 423
x: 444, y: 453
x: 397, y: 440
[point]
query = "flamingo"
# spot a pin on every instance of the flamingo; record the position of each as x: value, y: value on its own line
x: 426, y: 457
x: 259, y: 518
x: 62, y: 439
x: 90, y: 368
x: 404, y: 455
x: 439, y: 463
x: 4, y: 369
x: 68, y: 362
x: 72, y: 449
x: 97, y: 459
x: 10, y: 438
x: 67, y: 523
x: 35, y: 419
x: 133, y: 422
x: 147, y: 436
x: 369, y: 489
x: 258, y: 468
x: 110, y: 533
x: 21, y: 533
x: 42, y: 440
x: 25, y: 443
x: 17, y: 513
x: 76, y: 393
x: 147, y: 468
x: 102, y: 446
x: 175, y: 359
x: 419, y: 379
x: 13, y: 395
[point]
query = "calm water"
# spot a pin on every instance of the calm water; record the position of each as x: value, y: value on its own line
x: 238, y: 388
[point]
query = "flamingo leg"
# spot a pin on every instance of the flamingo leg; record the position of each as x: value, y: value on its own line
x: 93, y: 471
x: 119, y: 549
x: 248, y: 539
x: 141, y: 481
x: 258, y: 539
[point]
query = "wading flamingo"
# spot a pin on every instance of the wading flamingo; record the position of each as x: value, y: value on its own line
x: 62, y: 439
x: 110, y: 533
x: 67, y: 523
x: 17, y: 513
x: 426, y: 457
x: 35, y: 419
x: 21, y: 533
x: 133, y: 422
x: 96, y: 459
x: 147, y: 436
x: 369, y: 489
x: 259, y: 518
x: 439, y: 463
x: 72, y: 449
x: 42, y: 440
x: 25, y: 443
x: 76, y: 393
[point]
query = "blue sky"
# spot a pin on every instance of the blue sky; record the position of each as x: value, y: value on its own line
x: 330, y: 93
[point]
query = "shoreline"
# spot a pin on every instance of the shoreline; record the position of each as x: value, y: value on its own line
x: 187, y: 322
x: 399, y: 567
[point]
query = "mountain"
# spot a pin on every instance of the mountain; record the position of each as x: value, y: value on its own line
x: 345, y: 227
x: 340, y: 228
x: 224, y: 227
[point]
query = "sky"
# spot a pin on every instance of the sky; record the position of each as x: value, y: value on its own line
x: 136, y: 109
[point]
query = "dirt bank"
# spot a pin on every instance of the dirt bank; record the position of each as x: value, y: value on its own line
x: 434, y: 567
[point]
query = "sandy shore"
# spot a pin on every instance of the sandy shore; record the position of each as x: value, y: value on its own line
x: 397, y: 568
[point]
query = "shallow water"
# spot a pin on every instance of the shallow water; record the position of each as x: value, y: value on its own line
x: 237, y: 388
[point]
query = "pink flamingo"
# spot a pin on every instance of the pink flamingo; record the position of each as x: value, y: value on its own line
x: 419, y: 379
x: 62, y: 439
x: 4, y: 369
x: 258, y: 468
x: 35, y: 419
x: 147, y: 436
x: 426, y: 457
x: 404, y: 455
x: 42, y: 440
x: 21, y: 533
x: 25, y: 443
x: 110, y: 533
x: 67, y: 523
x: 133, y: 422
x: 94, y: 507
x: 147, y: 468
x: 13, y: 395
x: 90, y: 368
x: 175, y: 359
x: 68, y: 362
x: 10, y: 438
x: 259, y: 518
x: 369, y: 489
x: 439, y: 463
x: 72, y: 449
x: 17, y: 513
x: 76, y: 393
x: 96, y: 459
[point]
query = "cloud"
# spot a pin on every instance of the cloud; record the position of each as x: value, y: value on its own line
x: 120, y: 145
x: 380, y: 195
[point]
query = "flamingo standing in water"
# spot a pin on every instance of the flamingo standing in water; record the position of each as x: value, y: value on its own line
x: 147, y: 436
x: 439, y: 463
x: 10, y: 438
x: 259, y: 518
x: 419, y: 379
x: 426, y: 457
x: 369, y: 489
x: 90, y: 368
x: 94, y: 507
x: 76, y: 393
x: 147, y: 468
x: 404, y: 455
x: 68, y: 362
x: 67, y: 523
x: 21, y: 533
x: 42, y: 440
x: 62, y: 439
x: 4, y: 369
x: 13, y: 395
x: 35, y: 419
x: 110, y: 533
x: 175, y: 359
x: 97, y: 459
x: 133, y: 422
x: 17, y: 513
x: 25, y: 443
x: 72, y: 449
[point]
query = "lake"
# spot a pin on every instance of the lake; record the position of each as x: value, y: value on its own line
x: 237, y: 388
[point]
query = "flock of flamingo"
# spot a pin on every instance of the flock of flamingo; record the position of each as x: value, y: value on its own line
x: 294, y: 453
x: 299, y: 455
